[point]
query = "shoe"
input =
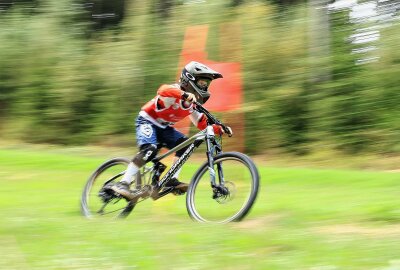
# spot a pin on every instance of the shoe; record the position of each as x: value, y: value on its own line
x: 122, y: 189
x: 179, y: 187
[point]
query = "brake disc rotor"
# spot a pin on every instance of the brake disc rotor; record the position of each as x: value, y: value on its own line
x: 222, y: 199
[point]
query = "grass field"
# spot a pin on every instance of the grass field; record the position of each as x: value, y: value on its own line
x: 315, y: 219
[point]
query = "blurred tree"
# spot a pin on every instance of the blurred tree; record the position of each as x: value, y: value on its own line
x: 275, y: 77
x: 68, y: 77
x: 281, y: 3
x: 235, y: 3
x: 164, y: 7
x: 8, y: 85
x: 350, y: 116
x: 105, y: 13
x: 286, y: 3
x: 385, y: 76
x: 98, y: 14
x: 295, y: 123
x: 27, y: 6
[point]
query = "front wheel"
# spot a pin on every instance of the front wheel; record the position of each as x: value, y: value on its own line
x: 237, y: 181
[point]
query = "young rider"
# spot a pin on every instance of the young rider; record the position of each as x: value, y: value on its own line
x: 156, y: 118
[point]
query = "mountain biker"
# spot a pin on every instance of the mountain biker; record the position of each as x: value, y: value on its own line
x: 156, y: 118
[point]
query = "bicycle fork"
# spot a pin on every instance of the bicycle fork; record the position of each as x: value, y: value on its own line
x: 218, y: 188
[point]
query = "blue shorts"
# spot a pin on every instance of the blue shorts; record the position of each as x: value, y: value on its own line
x: 148, y: 133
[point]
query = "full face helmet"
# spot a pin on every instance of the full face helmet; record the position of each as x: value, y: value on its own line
x: 196, y: 78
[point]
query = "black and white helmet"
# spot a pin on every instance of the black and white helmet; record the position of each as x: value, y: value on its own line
x: 196, y: 78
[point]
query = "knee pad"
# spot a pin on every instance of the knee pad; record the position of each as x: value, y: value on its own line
x: 147, y: 152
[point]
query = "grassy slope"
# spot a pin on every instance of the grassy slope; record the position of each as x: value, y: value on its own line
x: 303, y: 219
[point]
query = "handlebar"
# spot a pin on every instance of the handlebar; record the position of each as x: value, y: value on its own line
x: 211, y: 118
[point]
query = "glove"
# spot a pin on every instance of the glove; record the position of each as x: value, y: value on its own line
x: 229, y: 131
x: 189, y: 97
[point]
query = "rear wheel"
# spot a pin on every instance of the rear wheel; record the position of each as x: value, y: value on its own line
x: 98, y: 200
x: 238, y: 182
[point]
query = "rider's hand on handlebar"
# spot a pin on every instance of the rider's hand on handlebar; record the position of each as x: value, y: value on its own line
x: 229, y: 131
x: 189, y: 97
x: 221, y: 131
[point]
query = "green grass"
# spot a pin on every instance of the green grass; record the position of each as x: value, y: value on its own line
x: 302, y: 219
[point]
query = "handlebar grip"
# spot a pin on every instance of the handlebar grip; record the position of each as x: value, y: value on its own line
x: 227, y: 130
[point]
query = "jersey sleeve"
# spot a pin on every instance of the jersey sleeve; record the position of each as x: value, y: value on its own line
x: 200, y: 121
x: 170, y: 91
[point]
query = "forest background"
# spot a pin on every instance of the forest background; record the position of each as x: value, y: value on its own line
x: 317, y: 76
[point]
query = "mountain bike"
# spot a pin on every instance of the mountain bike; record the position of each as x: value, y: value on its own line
x: 222, y: 190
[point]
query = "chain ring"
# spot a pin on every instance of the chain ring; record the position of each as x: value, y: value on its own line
x: 146, y: 190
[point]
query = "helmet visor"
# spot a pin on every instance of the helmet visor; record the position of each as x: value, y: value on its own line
x: 203, y: 83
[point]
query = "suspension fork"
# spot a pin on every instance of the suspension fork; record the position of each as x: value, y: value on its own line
x: 220, y: 175
x: 211, y: 149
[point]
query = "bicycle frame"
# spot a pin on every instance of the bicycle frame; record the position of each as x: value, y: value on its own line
x: 192, y: 143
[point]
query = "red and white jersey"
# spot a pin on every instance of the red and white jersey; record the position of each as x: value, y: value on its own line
x: 167, y: 108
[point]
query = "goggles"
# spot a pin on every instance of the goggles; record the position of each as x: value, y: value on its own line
x: 203, y: 83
